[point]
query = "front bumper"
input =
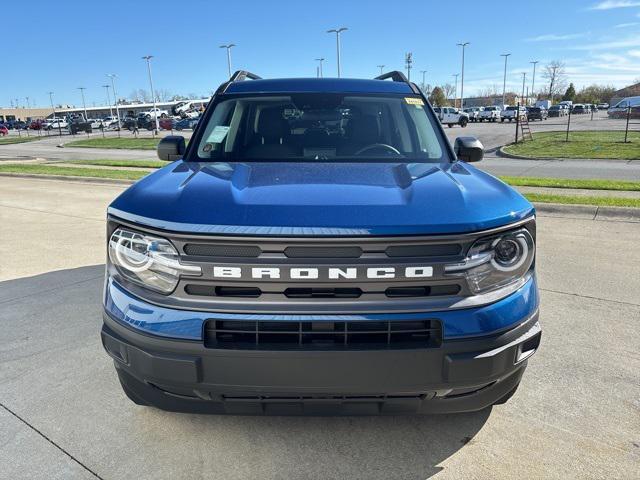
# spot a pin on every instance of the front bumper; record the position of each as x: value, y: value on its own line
x: 181, y: 375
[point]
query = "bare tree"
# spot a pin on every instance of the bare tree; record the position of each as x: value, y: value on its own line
x: 163, y: 95
x: 556, y: 75
x: 448, y: 89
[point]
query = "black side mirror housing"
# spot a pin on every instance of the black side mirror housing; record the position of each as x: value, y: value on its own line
x: 171, y: 148
x: 468, y: 149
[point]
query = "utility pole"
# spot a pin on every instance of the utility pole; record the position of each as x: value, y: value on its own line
x: 228, y: 47
x: 320, y: 60
x: 463, y: 45
x: 504, y: 79
x: 524, y: 76
x: 84, y: 106
x: 115, y: 97
x: 153, y: 95
x: 106, y: 87
x: 338, y: 31
x: 381, y: 67
x: 408, y: 63
x: 455, y: 91
x: 28, y: 104
x: 53, y: 109
x: 533, y: 80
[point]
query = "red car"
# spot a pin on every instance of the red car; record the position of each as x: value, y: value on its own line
x: 166, y: 123
x: 36, y: 125
x: 4, y: 130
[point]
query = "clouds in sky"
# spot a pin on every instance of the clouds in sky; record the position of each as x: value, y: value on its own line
x: 611, y: 4
x: 552, y: 37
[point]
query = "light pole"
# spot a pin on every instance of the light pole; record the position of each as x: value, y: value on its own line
x: 84, y: 105
x: 106, y: 87
x: 153, y: 95
x: 463, y: 45
x: 28, y: 104
x: 381, y: 67
x: 533, y: 80
x: 338, y: 31
x: 455, y: 91
x: 320, y: 60
x: 408, y: 62
x: 228, y: 47
x: 524, y: 76
x: 115, y: 97
x: 53, y: 109
x: 504, y: 79
x: 424, y: 85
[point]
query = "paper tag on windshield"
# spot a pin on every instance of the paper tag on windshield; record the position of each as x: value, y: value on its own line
x: 413, y: 101
x: 218, y: 134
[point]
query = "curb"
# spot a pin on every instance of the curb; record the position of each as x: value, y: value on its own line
x: 66, y: 178
x: 501, y: 153
x: 588, y: 212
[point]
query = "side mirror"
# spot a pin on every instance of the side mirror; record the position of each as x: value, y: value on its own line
x: 171, y: 148
x: 468, y: 149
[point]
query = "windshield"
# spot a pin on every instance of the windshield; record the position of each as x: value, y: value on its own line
x: 320, y: 126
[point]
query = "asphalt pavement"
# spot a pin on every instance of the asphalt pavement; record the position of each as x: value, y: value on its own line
x: 63, y: 415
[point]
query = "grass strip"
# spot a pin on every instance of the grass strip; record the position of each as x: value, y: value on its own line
x: 9, y: 140
x: 619, y: 185
x: 121, y: 163
x: 581, y: 144
x: 583, y: 200
x: 117, y: 143
x: 73, y: 171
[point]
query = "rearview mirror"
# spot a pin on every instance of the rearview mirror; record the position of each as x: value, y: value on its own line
x: 468, y: 149
x: 171, y: 148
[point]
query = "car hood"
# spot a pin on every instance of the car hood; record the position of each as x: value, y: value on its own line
x: 310, y: 198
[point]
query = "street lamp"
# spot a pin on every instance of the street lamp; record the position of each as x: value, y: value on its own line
x: 53, y: 109
x: 455, y: 91
x: 463, y: 45
x: 381, y: 68
x: 153, y: 95
x: 338, y: 31
x: 533, y: 80
x: 115, y: 97
x: 504, y: 79
x: 408, y: 62
x: 106, y: 87
x: 228, y: 47
x: 320, y: 60
x: 28, y: 104
x: 84, y: 106
x: 524, y: 75
x: 424, y: 85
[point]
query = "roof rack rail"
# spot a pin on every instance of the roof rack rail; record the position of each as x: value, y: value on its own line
x: 398, y: 76
x: 238, y: 76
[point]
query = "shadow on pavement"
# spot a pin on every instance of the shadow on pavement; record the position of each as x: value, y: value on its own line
x: 55, y: 375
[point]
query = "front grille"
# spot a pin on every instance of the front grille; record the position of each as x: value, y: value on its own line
x: 212, y: 250
x: 322, y: 335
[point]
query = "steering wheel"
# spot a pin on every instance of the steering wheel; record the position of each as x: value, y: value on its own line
x: 374, y: 146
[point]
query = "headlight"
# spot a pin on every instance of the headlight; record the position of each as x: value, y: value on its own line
x: 150, y: 261
x: 496, y: 261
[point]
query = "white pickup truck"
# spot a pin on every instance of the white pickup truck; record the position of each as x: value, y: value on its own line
x: 155, y: 112
x: 490, y: 114
x: 511, y: 113
x: 452, y: 116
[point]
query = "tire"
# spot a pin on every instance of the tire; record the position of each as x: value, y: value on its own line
x: 164, y: 115
x: 502, y: 120
x: 450, y: 125
x: 463, y: 122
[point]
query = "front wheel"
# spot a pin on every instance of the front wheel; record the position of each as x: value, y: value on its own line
x: 164, y: 115
x: 463, y: 122
x: 450, y: 125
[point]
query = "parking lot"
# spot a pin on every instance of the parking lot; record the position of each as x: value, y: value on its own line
x: 63, y: 414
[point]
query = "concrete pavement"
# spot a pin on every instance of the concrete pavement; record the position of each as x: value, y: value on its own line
x: 63, y: 415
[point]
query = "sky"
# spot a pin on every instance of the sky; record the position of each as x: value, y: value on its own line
x: 61, y: 45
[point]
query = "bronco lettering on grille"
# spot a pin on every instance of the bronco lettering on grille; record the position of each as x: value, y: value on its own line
x: 315, y: 273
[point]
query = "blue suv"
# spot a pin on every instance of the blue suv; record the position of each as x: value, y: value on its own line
x: 320, y: 248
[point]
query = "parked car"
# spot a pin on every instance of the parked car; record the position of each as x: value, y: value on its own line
x: 490, y: 114
x: 556, y: 111
x: 77, y: 123
x: 619, y: 110
x: 512, y: 112
x: 95, y: 123
x: 167, y: 123
x: 578, y: 109
x: 473, y: 112
x: 452, y: 116
x: 537, y: 113
x: 3, y: 130
x: 227, y: 285
x: 153, y: 113
x: 38, y: 124
x: 186, y: 123
x: 603, y: 106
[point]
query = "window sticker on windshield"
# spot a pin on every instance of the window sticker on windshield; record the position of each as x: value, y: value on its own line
x: 218, y: 134
x: 413, y: 101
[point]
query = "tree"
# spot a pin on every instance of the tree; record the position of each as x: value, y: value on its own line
x: 570, y: 94
x: 596, y: 94
x: 556, y: 74
x: 163, y: 95
x: 437, y: 97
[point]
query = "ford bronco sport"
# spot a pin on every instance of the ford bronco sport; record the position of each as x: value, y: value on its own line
x: 320, y: 248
